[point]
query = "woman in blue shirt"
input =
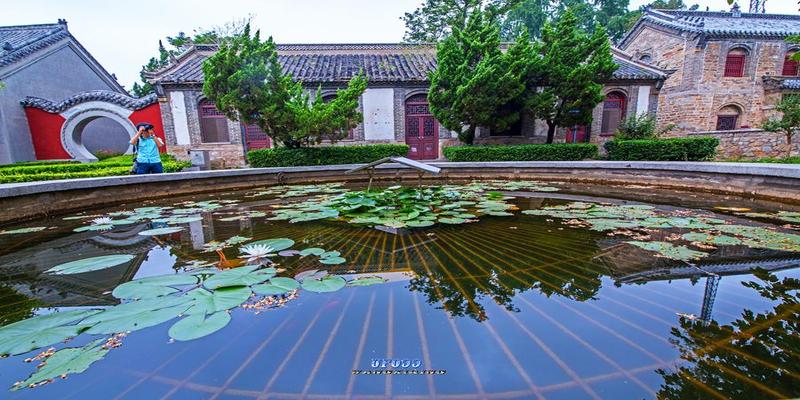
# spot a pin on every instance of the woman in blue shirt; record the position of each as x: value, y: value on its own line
x: 148, y: 161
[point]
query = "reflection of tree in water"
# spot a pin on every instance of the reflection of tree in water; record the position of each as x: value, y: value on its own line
x: 15, y: 306
x: 756, y: 356
x: 531, y: 261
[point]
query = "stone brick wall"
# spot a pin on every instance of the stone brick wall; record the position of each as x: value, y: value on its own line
x: 695, y: 92
x: 749, y: 144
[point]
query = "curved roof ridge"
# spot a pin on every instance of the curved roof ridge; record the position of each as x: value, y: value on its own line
x: 117, y: 98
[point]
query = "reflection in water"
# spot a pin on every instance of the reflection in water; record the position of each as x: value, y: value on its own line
x: 753, y: 356
x: 517, y: 307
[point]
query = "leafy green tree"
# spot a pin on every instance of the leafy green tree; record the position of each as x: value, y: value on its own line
x: 475, y: 83
x: 631, y: 17
x: 528, y: 16
x: 789, y: 122
x: 565, y: 85
x: 637, y: 127
x: 436, y: 19
x: 247, y: 83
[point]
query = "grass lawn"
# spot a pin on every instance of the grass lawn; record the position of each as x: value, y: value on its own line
x: 51, y: 170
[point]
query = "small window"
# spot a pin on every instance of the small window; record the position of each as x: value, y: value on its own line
x: 735, y: 62
x: 213, y: 124
x: 728, y: 118
x: 613, y: 113
x: 646, y: 58
x: 789, y: 65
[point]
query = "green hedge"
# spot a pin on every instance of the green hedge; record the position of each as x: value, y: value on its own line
x: 329, y: 155
x: 522, y: 152
x: 678, y: 149
x: 68, y: 170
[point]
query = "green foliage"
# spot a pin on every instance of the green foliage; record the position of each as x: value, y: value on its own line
x: 565, y: 86
x: 678, y: 149
x: 637, y: 127
x: 436, y: 19
x: 247, y: 83
x: 523, y: 152
x: 41, y: 171
x: 475, y: 84
x: 789, y: 122
x: 330, y: 155
x: 788, y: 160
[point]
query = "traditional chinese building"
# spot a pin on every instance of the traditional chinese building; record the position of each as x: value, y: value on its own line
x: 729, y: 70
x: 394, y: 106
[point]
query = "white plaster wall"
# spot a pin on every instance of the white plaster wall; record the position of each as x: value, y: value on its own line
x: 643, y: 100
x: 178, y: 107
x: 378, y: 114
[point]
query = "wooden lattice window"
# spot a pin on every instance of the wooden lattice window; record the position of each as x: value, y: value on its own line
x: 213, y: 124
x: 789, y: 65
x: 728, y: 118
x: 735, y: 63
x: 613, y: 113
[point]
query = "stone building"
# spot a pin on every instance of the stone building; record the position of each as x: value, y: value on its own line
x: 47, y: 62
x: 394, y: 106
x: 728, y: 71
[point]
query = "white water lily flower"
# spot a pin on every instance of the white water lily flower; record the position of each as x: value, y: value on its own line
x: 257, y: 252
x: 101, y: 221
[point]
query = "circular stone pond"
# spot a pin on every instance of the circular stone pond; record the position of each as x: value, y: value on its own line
x: 466, y: 290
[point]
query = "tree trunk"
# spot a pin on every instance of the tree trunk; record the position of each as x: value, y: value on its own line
x: 467, y: 137
x: 789, y: 144
x: 551, y: 132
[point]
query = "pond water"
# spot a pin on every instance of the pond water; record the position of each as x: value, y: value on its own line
x: 468, y: 291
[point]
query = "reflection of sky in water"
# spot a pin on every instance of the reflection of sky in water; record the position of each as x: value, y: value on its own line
x: 540, y: 314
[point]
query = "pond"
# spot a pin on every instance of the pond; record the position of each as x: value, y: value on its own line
x: 465, y: 290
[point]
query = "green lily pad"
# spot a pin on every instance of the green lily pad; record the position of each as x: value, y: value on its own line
x: 278, y: 285
x: 103, y: 227
x: 161, y: 231
x: 90, y: 264
x: 137, y: 314
x: 452, y: 221
x: 669, y: 250
x: 419, y: 224
x: 275, y: 244
x: 65, y: 362
x: 367, y: 281
x: 23, y: 230
x: 41, y: 331
x: 329, y: 283
x: 242, y: 276
x: 221, y: 299
x: 197, y: 325
x: 332, y: 260
x: 315, y: 251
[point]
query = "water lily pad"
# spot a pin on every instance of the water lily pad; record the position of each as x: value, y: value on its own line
x: 161, y: 231
x: 221, y: 299
x: 90, y: 264
x: 65, y: 362
x: 669, y: 250
x: 330, y: 283
x: 242, y: 276
x: 198, y: 325
x: 276, y: 244
x: 23, y: 230
x: 367, y: 281
x: 103, y: 227
x: 137, y: 315
x: 41, y: 331
x: 419, y: 224
x: 289, y: 253
x: 452, y: 221
x: 332, y: 260
x: 312, y: 251
x: 153, y: 286
x: 275, y: 286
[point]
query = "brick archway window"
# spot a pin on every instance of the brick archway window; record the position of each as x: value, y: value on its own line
x: 735, y: 63
x: 327, y: 99
x: 613, y: 113
x: 728, y: 118
x: 789, y: 65
x: 213, y: 123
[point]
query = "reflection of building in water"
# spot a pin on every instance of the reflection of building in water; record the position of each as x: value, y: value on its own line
x: 630, y: 264
x: 24, y: 270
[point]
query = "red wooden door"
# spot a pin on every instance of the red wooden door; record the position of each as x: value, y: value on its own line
x: 255, y: 138
x: 576, y: 134
x: 422, y: 131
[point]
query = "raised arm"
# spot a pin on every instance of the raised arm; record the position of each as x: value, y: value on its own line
x: 135, y: 138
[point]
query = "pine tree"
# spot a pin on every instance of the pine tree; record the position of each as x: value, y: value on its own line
x: 789, y: 122
x: 565, y: 85
x: 475, y: 84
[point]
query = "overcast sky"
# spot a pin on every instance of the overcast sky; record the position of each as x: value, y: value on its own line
x: 123, y: 36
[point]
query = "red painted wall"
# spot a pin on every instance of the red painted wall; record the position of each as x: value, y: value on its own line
x: 151, y: 114
x: 45, y: 130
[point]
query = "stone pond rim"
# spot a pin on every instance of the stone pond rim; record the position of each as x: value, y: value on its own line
x: 776, y: 182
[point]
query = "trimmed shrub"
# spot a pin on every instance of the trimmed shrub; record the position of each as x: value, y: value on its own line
x: 329, y: 155
x: 522, y: 152
x: 120, y: 165
x: 678, y: 149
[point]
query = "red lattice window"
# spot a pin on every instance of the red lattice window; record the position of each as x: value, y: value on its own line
x: 734, y: 63
x: 213, y: 124
x: 613, y: 113
x: 789, y: 65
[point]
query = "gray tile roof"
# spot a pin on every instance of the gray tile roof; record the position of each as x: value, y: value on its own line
x: 337, y: 63
x: 721, y: 24
x: 119, y: 99
x: 18, y: 42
